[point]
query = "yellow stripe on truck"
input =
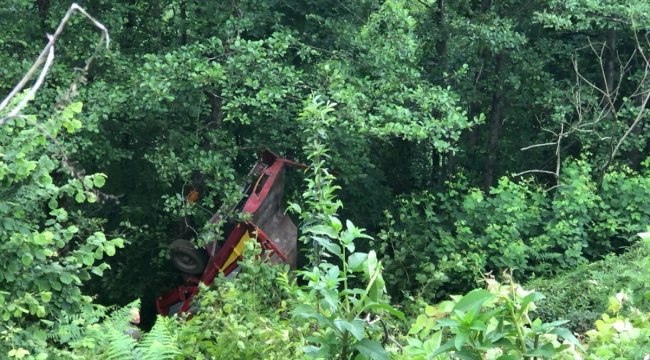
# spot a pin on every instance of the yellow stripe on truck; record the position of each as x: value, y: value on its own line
x: 237, y: 251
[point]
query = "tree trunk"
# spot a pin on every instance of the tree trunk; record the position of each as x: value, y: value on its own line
x: 441, y: 44
x: 184, y: 18
x: 450, y: 163
x: 157, y: 18
x: 435, y: 167
x: 486, y: 5
x: 43, y: 8
x: 495, y: 125
x: 216, y: 110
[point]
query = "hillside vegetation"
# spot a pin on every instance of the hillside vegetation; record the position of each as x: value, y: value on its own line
x: 455, y: 150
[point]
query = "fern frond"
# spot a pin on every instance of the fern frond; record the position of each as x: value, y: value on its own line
x: 543, y: 256
x: 159, y: 343
x: 119, y: 319
x: 120, y: 346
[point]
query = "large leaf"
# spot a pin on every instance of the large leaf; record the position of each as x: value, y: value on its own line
x: 331, y: 297
x: 391, y: 310
x: 472, y: 298
x: 448, y: 346
x: 467, y: 355
x: 371, y: 349
x: 547, y: 350
x: 544, y: 327
x: 567, y: 335
x: 356, y: 327
x: 323, y: 230
x: 534, y: 296
x: 355, y: 261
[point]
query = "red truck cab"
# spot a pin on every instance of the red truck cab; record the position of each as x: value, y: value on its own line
x: 267, y: 224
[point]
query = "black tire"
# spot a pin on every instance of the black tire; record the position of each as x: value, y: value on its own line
x: 187, y: 258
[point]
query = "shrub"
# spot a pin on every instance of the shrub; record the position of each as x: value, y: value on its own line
x: 582, y: 295
x: 438, y: 244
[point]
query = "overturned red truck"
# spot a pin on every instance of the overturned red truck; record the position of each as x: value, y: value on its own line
x: 268, y: 224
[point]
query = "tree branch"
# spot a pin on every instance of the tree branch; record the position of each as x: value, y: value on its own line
x: 45, y: 55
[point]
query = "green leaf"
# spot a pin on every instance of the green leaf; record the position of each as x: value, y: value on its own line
x: 371, y: 264
x: 8, y: 223
x: 376, y: 284
x: 110, y: 249
x: 534, y: 296
x: 448, y: 346
x: 40, y: 335
x: 567, y: 335
x: 97, y: 271
x: 472, y: 298
x: 356, y: 327
x: 543, y: 327
x: 355, y: 261
x: 65, y: 278
x: 391, y: 310
x: 26, y: 259
x: 302, y: 310
x: 80, y: 197
x: 76, y: 107
x: 508, y: 357
x: 18, y: 353
x: 547, y: 350
x: 460, y: 340
x: 118, y: 242
x: 46, y: 296
x: 478, y: 325
x: 330, y: 296
x: 336, y: 224
x: 371, y: 349
x: 43, y: 239
x: 41, y: 356
x: 324, y: 230
x: 88, y: 259
x: 52, y: 204
x: 419, y: 324
x: 331, y: 247
x: 99, y: 180
x: 448, y: 322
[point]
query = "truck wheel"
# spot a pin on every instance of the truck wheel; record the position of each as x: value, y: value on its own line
x: 187, y: 258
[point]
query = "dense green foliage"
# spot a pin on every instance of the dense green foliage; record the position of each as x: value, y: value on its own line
x: 581, y: 295
x: 467, y: 138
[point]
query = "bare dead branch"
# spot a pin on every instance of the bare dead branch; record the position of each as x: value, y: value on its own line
x: 639, y: 116
x: 45, y: 54
x: 558, y: 155
x: 32, y: 92
x: 537, y: 145
x: 594, y: 103
x: 534, y: 171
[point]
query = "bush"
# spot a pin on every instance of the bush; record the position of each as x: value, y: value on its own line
x: 581, y: 295
x: 439, y: 244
